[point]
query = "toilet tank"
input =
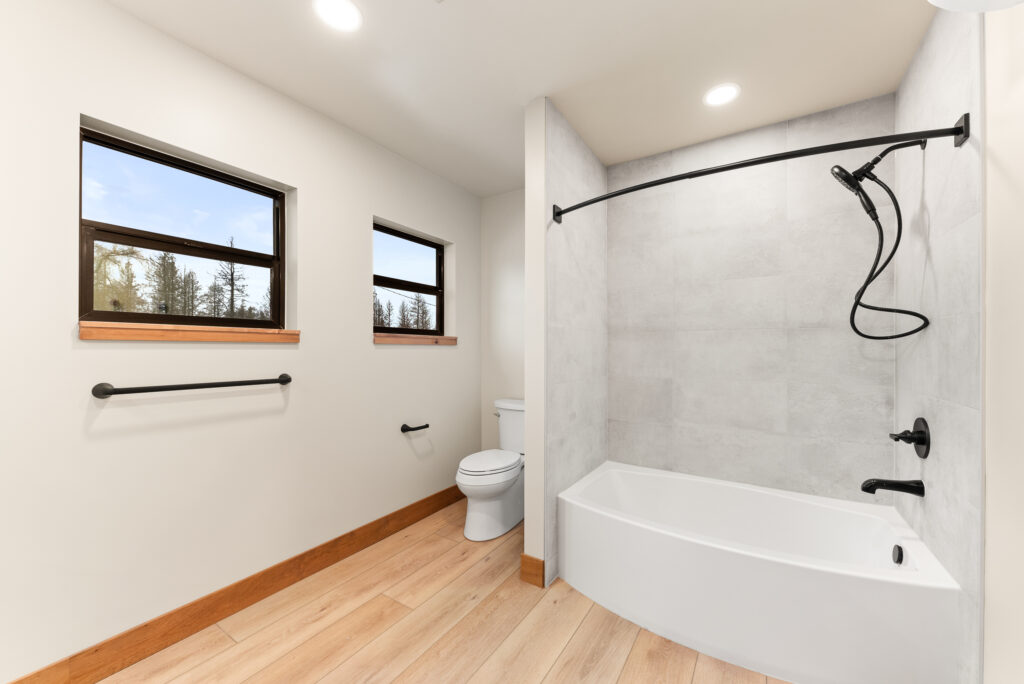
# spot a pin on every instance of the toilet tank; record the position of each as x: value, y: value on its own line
x: 511, y: 424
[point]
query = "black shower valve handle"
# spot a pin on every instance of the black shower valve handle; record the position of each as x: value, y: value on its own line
x: 920, y: 437
x: 910, y: 437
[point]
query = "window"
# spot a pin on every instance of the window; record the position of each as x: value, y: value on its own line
x: 408, y: 283
x: 164, y: 240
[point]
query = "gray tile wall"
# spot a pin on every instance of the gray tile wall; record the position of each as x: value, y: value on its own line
x: 576, y: 439
x: 729, y: 351
x: 939, y: 272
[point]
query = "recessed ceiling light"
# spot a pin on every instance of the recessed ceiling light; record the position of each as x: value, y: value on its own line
x: 339, y: 14
x: 721, y: 94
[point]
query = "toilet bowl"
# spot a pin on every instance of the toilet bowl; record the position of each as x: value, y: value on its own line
x: 492, y: 481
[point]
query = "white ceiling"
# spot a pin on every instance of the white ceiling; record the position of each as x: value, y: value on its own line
x: 444, y: 83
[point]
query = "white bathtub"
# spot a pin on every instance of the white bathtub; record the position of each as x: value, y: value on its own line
x: 795, y: 586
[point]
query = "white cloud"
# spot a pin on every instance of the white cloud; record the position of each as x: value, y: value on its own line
x: 93, y: 189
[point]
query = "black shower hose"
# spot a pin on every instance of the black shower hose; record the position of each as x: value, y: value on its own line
x: 877, y: 271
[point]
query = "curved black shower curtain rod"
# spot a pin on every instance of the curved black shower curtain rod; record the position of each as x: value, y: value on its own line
x: 960, y: 133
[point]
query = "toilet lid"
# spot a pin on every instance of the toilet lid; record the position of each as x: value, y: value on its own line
x: 490, y: 461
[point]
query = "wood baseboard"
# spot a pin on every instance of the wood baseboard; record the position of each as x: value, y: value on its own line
x: 531, y: 570
x: 131, y: 646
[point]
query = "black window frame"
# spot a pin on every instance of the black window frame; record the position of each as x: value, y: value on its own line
x: 90, y: 231
x: 412, y: 286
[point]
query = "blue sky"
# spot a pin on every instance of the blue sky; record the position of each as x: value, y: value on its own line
x: 398, y: 258
x: 126, y: 190
x: 130, y: 191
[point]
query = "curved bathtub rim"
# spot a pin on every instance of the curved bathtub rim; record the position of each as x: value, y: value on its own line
x: 934, y: 576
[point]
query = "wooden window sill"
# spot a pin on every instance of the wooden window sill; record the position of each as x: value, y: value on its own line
x: 397, y: 338
x: 156, y: 332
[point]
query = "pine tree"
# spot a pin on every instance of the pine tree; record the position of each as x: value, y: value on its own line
x: 404, y: 316
x: 164, y: 284
x: 378, y: 311
x: 129, y: 298
x: 232, y: 278
x: 191, y: 295
x: 420, y: 313
x: 214, y: 300
x: 114, y: 285
x: 265, y: 308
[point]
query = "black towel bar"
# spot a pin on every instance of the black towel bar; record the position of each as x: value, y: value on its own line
x: 406, y: 428
x: 105, y: 389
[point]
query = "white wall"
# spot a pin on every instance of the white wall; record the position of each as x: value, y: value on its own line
x: 1004, y: 340
x: 116, y: 511
x: 502, y: 244
x: 939, y: 273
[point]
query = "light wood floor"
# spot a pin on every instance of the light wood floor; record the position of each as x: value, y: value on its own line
x: 426, y: 605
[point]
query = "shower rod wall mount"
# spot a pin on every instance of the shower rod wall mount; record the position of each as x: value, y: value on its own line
x: 959, y: 132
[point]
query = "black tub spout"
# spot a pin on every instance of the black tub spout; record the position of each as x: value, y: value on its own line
x: 915, y: 487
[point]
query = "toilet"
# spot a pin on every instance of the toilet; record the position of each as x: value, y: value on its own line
x: 492, y: 480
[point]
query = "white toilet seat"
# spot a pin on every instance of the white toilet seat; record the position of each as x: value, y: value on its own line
x: 491, y: 462
x: 475, y: 481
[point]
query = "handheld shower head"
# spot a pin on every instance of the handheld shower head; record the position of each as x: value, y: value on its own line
x: 852, y: 183
x: 846, y: 179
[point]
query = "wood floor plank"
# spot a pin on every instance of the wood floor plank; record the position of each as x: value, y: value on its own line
x: 415, y: 589
x: 177, y: 659
x: 453, y: 530
x: 247, y: 622
x: 534, y: 645
x: 472, y: 619
x: 656, y: 660
x: 713, y: 671
x: 314, y: 658
x: 456, y: 512
x: 597, y: 651
x: 273, y: 641
x: 463, y: 648
x: 383, y: 659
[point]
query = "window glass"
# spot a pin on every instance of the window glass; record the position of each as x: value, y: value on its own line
x: 133, y: 279
x: 393, y: 308
x: 130, y: 191
x: 396, y: 257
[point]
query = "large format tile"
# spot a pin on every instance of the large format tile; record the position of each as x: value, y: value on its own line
x: 848, y: 413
